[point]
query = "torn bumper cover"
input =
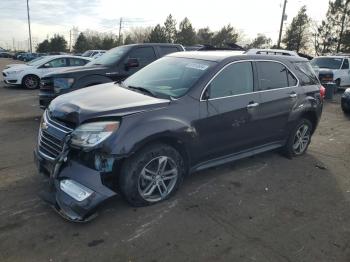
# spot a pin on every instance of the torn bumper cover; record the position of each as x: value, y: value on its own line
x: 76, y: 191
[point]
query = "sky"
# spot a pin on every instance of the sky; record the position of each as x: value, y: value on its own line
x: 58, y: 16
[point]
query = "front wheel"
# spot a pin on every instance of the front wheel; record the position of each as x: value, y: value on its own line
x: 151, y: 175
x: 31, y: 82
x: 299, y: 139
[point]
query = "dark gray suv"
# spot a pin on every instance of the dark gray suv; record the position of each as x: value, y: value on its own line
x: 184, y: 112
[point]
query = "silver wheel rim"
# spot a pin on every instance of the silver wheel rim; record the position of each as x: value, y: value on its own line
x: 157, y: 179
x: 301, y: 139
x: 31, y: 82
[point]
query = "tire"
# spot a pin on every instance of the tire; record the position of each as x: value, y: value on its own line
x: 291, y: 148
x: 139, y: 181
x: 345, y: 108
x: 31, y: 82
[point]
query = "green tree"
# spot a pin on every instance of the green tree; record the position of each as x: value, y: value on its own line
x: 81, y: 45
x: 58, y: 43
x: 128, y: 40
x: 157, y: 35
x: 186, y: 34
x: 205, y: 36
x: 261, y: 41
x: 297, y: 34
x: 43, y: 47
x: 170, y: 29
x: 226, y: 35
x: 108, y: 42
x: 325, y: 40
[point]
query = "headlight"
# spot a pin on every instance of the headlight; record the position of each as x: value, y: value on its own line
x: 14, y: 72
x: 90, y: 134
x: 62, y: 83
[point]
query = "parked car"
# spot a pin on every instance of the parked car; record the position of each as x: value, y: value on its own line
x: 6, y: 55
x: 115, y: 65
x: 339, y: 66
x: 345, y: 101
x: 17, y: 54
x: 28, y: 75
x: 98, y: 55
x: 92, y: 53
x: 182, y: 113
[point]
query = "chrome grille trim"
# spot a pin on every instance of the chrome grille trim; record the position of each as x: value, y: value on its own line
x: 49, y: 145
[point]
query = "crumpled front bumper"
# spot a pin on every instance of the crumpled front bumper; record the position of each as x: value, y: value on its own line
x: 64, y: 204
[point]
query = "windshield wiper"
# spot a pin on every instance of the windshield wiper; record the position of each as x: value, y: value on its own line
x: 142, y: 89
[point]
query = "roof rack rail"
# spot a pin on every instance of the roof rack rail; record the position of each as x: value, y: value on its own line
x: 257, y: 51
x: 205, y: 47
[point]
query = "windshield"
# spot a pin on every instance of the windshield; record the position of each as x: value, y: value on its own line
x: 110, y: 57
x: 327, y: 62
x: 35, y: 61
x: 169, y: 76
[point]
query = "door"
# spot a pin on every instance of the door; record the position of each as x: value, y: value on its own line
x: 52, y: 65
x: 279, y: 92
x: 345, y: 73
x: 227, y: 112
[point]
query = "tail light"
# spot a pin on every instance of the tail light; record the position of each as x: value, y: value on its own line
x: 322, y: 92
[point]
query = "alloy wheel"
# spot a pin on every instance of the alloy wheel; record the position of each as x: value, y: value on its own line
x: 157, y: 179
x: 301, y: 139
x: 31, y: 82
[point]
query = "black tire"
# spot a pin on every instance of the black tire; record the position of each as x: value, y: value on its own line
x: 345, y: 108
x: 290, y: 150
x: 31, y: 82
x: 131, y: 179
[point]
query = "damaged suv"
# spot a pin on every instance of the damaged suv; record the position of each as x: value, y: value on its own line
x: 184, y: 112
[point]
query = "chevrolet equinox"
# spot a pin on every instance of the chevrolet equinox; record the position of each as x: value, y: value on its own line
x: 182, y: 113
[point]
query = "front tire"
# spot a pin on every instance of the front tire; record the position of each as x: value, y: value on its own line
x: 151, y: 175
x: 299, y: 139
x: 31, y: 82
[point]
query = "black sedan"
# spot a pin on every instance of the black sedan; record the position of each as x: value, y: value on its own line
x: 345, y: 101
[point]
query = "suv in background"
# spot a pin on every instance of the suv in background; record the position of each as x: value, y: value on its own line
x: 115, y: 65
x: 339, y: 65
x: 184, y: 112
x: 92, y: 53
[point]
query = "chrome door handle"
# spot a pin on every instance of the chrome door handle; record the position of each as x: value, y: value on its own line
x: 252, y: 105
x: 293, y: 95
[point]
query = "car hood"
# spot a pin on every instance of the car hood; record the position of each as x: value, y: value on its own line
x: 103, y: 100
x: 79, y: 69
x: 16, y: 67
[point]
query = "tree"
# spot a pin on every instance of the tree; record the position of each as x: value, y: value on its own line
x: 157, y: 35
x: 205, y: 36
x: 128, y: 40
x: 139, y: 34
x: 226, y: 35
x: 43, y: 47
x: 81, y: 45
x: 58, y: 43
x: 186, y: 34
x: 297, y: 35
x: 108, y: 42
x: 325, y: 40
x: 338, y: 16
x: 170, y: 29
x: 261, y: 41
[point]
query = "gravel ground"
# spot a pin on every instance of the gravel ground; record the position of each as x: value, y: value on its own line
x: 264, y: 208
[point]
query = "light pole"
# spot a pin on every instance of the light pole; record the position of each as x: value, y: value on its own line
x: 281, y: 27
x: 30, y: 33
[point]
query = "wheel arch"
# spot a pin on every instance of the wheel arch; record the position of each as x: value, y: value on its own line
x: 312, y: 117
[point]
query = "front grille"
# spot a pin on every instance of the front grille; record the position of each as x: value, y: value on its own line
x: 51, y: 137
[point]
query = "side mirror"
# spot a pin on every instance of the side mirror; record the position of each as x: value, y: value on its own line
x: 131, y: 63
x: 47, y: 65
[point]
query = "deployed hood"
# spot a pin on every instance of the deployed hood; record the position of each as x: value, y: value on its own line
x: 102, y: 101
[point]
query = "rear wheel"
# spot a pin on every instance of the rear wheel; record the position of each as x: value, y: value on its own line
x: 299, y: 139
x: 151, y: 175
x: 31, y: 82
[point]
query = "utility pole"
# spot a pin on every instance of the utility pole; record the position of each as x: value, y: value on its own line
x: 281, y: 27
x: 120, y: 31
x: 30, y: 33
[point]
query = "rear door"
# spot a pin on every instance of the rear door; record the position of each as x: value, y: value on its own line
x: 279, y: 91
x: 345, y: 73
x: 227, y: 112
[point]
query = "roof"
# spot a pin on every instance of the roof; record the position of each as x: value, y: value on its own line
x: 218, y: 56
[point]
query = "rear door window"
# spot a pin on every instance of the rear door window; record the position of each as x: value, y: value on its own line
x: 235, y: 79
x: 273, y: 75
x: 144, y: 55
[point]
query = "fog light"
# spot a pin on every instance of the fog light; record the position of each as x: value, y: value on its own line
x: 75, y: 190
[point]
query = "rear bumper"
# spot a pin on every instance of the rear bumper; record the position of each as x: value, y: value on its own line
x: 63, y: 203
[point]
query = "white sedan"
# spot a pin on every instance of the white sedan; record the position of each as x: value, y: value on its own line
x: 29, y: 74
